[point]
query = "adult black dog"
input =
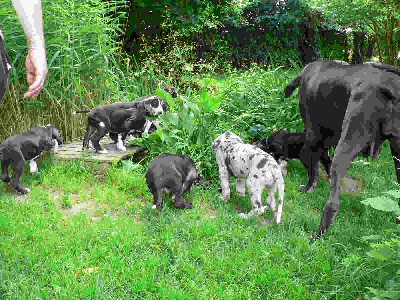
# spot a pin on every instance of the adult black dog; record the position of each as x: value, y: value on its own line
x: 353, y: 108
x: 27, y: 146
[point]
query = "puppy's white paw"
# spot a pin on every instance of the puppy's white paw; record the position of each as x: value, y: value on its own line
x: 243, y: 215
x: 121, y: 148
x: 225, y: 199
x: 154, y: 207
x: 104, y: 151
x: 33, y: 167
x: 55, y: 146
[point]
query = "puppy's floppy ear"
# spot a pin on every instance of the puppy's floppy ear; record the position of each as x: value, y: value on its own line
x: 282, y: 131
x: 139, y: 105
x: 216, y: 144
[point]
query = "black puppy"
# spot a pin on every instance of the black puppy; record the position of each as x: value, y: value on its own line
x: 172, y: 173
x: 27, y: 146
x: 289, y: 145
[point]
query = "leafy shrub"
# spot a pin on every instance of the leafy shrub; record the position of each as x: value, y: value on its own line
x: 190, y: 130
x: 386, y: 251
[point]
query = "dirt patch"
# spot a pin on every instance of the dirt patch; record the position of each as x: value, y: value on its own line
x: 71, y: 205
x: 350, y: 185
x: 208, y: 209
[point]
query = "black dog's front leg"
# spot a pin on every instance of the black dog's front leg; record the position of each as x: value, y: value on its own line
x: 158, y: 200
x: 18, y: 168
x: 4, y: 171
x: 328, y: 216
x: 326, y: 161
x: 311, y: 162
x: 113, y: 136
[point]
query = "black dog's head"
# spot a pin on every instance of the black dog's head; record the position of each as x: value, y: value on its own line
x: 152, y: 106
x: 274, y: 144
x: 55, y: 134
x: 170, y: 89
x: 193, y: 176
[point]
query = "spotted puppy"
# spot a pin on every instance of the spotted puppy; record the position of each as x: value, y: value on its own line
x: 27, y: 146
x: 172, y: 173
x: 253, y: 167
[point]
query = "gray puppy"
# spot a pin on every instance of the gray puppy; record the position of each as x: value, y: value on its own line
x: 172, y: 173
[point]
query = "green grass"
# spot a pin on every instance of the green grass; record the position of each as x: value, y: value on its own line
x: 121, y: 248
x: 83, y: 234
x: 127, y: 250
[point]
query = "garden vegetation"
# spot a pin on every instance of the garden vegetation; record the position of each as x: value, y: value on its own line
x: 230, y: 61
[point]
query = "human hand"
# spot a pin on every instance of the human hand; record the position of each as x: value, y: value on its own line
x: 36, y: 67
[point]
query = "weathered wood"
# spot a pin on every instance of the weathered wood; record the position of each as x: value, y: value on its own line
x: 73, y: 151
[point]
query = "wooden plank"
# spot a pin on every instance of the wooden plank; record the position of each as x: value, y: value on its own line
x: 74, y: 150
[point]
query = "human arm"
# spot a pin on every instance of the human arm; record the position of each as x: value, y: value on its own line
x: 31, y: 17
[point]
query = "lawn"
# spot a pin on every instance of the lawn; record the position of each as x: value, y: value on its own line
x: 81, y: 235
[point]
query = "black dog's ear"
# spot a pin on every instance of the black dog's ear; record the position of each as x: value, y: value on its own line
x: 262, y: 144
x: 170, y: 89
x: 282, y: 131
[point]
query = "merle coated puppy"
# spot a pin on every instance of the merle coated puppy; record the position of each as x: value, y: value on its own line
x: 289, y: 145
x: 172, y: 173
x: 254, y: 168
x: 27, y: 146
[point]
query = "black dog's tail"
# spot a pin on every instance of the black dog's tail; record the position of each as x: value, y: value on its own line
x: 385, y: 67
x: 82, y: 111
x: 289, y: 89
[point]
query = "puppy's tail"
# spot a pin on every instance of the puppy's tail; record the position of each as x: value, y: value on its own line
x: 289, y: 89
x: 81, y: 111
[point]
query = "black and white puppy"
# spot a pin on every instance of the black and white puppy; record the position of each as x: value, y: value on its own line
x: 164, y: 104
x: 121, y: 121
x: 253, y: 167
x: 172, y: 173
x: 121, y: 118
x: 27, y: 146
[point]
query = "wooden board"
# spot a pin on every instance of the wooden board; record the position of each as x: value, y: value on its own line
x: 72, y: 151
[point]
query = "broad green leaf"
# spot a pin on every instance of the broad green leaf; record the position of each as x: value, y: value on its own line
x: 395, y: 194
x: 371, y: 237
x: 382, y: 203
x: 383, y: 253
